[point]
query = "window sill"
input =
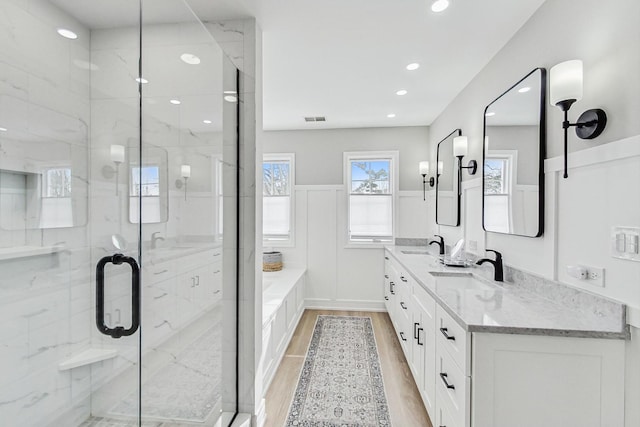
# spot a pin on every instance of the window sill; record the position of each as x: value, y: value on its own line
x: 277, y: 244
x: 376, y: 245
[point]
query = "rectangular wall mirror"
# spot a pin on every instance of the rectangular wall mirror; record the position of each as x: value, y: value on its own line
x: 447, y: 185
x: 513, y: 156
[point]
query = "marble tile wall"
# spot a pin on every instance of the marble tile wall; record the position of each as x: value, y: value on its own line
x: 44, y: 300
x: 47, y: 301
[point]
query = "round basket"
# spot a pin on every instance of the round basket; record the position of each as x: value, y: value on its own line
x: 272, y: 261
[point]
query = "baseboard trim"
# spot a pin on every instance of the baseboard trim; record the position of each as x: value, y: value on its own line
x: 261, y: 415
x: 355, y: 305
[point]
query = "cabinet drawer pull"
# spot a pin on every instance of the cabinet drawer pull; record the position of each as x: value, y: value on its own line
x: 387, y: 258
x: 160, y: 272
x: 418, y: 338
x: 402, y: 336
x: 386, y: 276
x: 391, y: 285
x: 403, y: 279
x: 444, y: 380
x: 216, y: 292
x: 402, y: 305
x: 415, y: 330
x: 386, y: 298
x: 447, y: 336
x: 216, y: 254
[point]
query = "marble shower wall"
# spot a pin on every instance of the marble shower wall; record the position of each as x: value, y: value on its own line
x: 44, y: 105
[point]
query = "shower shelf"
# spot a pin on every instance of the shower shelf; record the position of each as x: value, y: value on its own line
x: 87, y: 357
x: 26, y: 251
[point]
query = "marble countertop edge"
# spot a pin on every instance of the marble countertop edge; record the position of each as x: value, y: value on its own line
x: 606, y: 333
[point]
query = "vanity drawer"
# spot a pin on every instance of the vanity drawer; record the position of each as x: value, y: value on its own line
x: 443, y: 414
x: 424, y: 299
x: 453, y: 388
x: 158, y: 272
x: 453, y: 338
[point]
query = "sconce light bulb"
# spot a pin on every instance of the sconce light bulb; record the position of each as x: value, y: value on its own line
x: 566, y: 82
x: 460, y: 146
x: 424, y: 168
x: 117, y: 153
x: 185, y: 171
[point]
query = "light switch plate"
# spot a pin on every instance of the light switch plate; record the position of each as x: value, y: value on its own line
x: 625, y: 243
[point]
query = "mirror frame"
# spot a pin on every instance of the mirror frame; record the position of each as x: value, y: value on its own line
x: 457, y: 132
x: 542, y: 143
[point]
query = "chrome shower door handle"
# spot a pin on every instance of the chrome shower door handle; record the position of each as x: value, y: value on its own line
x: 118, y: 331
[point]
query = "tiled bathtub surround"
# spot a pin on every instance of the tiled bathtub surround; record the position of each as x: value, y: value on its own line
x: 405, y: 241
x: 525, y: 307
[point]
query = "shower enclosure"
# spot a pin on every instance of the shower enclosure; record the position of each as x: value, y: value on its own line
x: 118, y: 215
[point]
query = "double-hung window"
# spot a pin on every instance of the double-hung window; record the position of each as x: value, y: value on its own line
x: 277, y: 198
x: 372, y: 182
x: 498, y: 190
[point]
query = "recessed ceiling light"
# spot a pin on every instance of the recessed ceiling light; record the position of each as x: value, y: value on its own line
x: 391, y: 115
x: 190, y: 58
x: 413, y: 66
x: 524, y: 89
x: 3, y: 129
x: 206, y: 122
x: 230, y: 98
x: 490, y: 113
x: 68, y: 34
x: 439, y: 5
x: 401, y: 92
x: 142, y: 80
x: 175, y: 102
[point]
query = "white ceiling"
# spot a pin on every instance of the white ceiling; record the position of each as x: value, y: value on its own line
x: 345, y: 59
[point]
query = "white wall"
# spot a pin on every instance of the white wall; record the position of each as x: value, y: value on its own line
x: 602, y: 188
x: 340, y: 277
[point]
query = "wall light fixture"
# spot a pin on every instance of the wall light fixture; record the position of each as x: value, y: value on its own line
x: 566, y: 88
x: 424, y: 171
x: 116, y: 153
x: 185, y: 173
x: 460, y: 148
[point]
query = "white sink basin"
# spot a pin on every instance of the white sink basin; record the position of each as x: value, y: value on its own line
x: 464, y: 282
x: 416, y: 252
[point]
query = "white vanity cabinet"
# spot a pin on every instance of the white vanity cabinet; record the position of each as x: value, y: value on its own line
x: 494, y: 379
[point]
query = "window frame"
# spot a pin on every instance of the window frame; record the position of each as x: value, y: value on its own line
x: 393, y: 156
x: 291, y: 159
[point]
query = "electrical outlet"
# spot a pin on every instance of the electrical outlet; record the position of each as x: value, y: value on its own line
x: 595, y: 275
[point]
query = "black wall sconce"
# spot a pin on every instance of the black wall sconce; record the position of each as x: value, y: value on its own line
x: 460, y: 145
x: 424, y: 171
x: 566, y: 88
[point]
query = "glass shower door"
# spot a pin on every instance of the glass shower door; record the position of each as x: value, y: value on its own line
x: 69, y: 258
x: 118, y: 148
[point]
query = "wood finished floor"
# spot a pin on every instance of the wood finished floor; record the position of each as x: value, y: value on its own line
x: 405, y: 404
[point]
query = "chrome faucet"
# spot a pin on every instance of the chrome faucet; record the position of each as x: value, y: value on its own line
x: 440, y: 243
x: 498, y: 275
x: 154, y: 239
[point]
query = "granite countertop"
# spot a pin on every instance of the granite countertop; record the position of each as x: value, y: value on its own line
x: 504, y: 307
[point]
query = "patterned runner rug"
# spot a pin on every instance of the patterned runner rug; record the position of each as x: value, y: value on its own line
x: 341, y: 381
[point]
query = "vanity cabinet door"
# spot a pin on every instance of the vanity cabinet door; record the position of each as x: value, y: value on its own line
x: 424, y: 346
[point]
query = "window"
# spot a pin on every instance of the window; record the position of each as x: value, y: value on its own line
x: 145, y: 182
x: 56, y: 208
x: 498, y: 180
x: 277, y: 200
x: 371, y: 188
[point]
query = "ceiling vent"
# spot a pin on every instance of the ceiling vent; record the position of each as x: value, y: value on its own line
x: 315, y: 119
